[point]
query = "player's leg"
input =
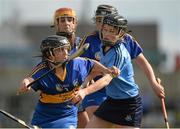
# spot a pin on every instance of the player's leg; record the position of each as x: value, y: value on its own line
x: 90, y: 110
x: 85, y: 115
x: 90, y: 103
x: 83, y: 119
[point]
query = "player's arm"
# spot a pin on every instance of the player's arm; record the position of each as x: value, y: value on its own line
x: 99, y: 84
x: 148, y: 70
x: 100, y: 69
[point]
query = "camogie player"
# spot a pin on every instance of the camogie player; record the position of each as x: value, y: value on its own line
x: 55, y: 108
x: 65, y: 24
x: 123, y: 106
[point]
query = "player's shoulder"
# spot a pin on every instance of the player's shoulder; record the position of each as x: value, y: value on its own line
x: 129, y: 38
x: 77, y: 62
x: 79, y: 59
x: 94, y: 33
x: 91, y: 35
x: 38, y: 67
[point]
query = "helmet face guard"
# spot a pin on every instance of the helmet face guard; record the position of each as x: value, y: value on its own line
x: 64, y: 13
x: 52, y: 42
x: 112, y: 40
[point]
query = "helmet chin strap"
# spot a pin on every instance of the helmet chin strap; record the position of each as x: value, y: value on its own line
x: 108, y: 43
x: 121, y: 34
x: 52, y: 61
x: 55, y: 63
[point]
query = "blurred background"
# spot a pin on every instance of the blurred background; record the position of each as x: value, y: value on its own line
x: 154, y: 23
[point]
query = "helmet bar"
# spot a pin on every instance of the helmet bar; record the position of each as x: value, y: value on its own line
x: 54, y: 41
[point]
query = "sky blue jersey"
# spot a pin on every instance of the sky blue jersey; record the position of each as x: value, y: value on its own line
x: 124, y: 85
x: 54, y: 108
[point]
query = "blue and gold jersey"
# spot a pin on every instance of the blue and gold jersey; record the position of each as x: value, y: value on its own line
x: 75, y: 73
x: 56, y: 93
x: 94, y: 46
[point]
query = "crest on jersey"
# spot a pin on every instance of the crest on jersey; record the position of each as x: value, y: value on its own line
x: 59, y: 87
x: 76, y: 83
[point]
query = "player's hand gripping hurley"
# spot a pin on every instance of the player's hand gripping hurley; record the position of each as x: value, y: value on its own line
x: 164, y: 108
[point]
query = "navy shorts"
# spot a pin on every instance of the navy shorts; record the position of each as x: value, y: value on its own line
x: 126, y: 112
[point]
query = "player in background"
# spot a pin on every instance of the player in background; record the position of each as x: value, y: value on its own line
x: 54, y: 108
x: 65, y: 24
x: 123, y: 106
x: 92, y: 101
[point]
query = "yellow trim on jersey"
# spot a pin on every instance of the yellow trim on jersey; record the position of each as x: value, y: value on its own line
x: 84, y: 39
x: 62, y: 77
x: 58, y: 98
x: 41, y: 66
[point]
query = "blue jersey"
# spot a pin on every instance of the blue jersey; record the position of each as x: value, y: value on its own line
x: 94, y: 41
x: 124, y: 85
x: 132, y: 46
x: 54, y: 108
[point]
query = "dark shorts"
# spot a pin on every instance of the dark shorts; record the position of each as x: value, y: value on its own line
x: 126, y: 112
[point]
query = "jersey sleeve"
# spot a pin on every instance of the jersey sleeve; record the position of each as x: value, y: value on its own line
x: 85, y: 67
x: 132, y: 46
x: 36, y: 73
x: 88, y: 65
